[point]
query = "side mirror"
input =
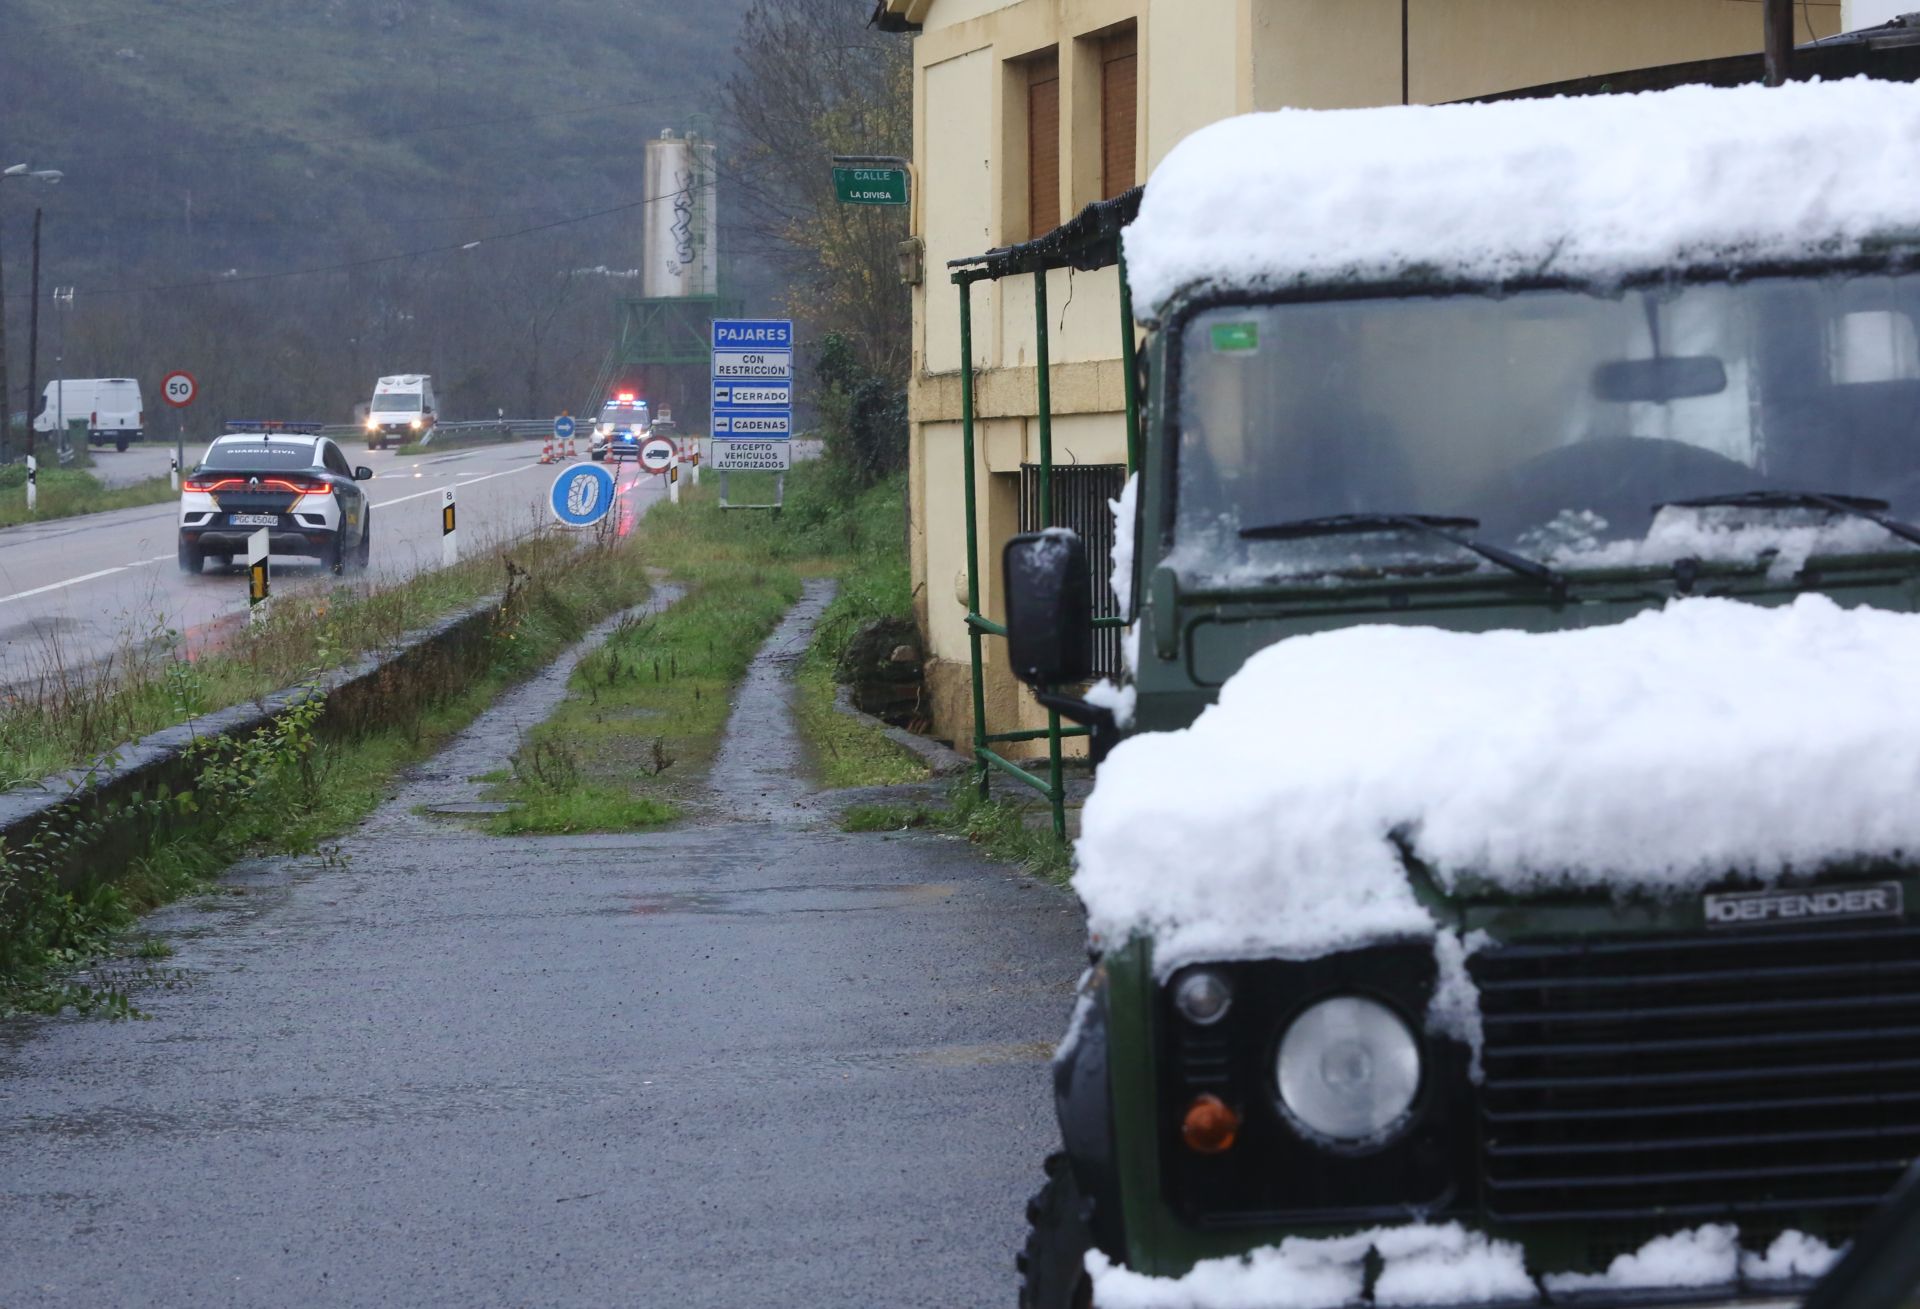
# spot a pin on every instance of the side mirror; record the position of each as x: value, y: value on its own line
x: 1049, y: 607
x: 362, y: 473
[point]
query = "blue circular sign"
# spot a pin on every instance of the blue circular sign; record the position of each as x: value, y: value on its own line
x: 563, y: 427
x: 582, y: 495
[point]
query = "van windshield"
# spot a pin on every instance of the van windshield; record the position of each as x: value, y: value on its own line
x: 1557, y: 419
x: 406, y: 402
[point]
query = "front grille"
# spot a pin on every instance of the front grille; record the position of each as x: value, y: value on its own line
x: 1772, y: 1076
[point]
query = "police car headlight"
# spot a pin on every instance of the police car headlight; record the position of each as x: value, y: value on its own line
x: 1348, y: 1070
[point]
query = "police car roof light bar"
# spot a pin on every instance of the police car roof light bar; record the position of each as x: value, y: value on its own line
x: 273, y: 425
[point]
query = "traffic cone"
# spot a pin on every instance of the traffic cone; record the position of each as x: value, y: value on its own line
x: 573, y: 451
x: 546, y: 451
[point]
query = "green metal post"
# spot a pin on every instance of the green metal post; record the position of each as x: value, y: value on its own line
x: 1056, y: 784
x: 1129, y: 367
x: 973, y: 532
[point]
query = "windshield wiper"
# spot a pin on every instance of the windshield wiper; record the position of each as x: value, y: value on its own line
x: 1854, y: 506
x: 1440, y: 525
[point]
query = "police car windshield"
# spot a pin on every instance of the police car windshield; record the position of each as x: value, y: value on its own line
x: 246, y: 456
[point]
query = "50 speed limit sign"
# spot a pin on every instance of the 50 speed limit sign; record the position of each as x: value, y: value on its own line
x: 178, y: 389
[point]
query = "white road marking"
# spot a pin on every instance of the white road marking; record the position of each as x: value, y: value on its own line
x: 71, y: 581
x: 382, y: 504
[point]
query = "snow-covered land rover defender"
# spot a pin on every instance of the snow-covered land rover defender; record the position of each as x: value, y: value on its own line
x: 1503, y: 889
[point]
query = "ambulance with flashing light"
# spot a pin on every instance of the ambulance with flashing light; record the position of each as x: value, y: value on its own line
x: 403, y: 409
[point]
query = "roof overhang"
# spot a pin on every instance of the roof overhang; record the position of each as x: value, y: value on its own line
x: 900, y: 15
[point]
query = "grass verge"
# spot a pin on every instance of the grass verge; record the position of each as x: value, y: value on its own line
x: 645, y: 712
x: 1003, y: 828
x: 285, y: 790
x: 65, y: 492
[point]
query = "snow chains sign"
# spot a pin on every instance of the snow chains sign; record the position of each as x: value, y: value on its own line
x: 582, y: 495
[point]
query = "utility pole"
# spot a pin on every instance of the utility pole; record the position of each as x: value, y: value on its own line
x: 6, y: 390
x: 33, y: 332
x: 1778, y: 17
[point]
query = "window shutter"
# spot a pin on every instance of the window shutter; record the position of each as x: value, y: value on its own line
x: 1119, y: 71
x: 1043, y: 147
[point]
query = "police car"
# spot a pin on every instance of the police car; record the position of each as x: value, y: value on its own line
x: 621, y: 428
x: 284, y: 477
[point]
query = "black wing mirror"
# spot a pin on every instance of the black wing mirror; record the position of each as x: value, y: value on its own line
x: 1049, y: 607
x: 362, y: 473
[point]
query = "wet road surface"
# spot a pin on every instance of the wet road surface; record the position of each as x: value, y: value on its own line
x: 747, y: 1062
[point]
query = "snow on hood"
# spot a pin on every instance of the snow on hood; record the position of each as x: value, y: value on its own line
x: 1592, y: 188
x: 1653, y: 755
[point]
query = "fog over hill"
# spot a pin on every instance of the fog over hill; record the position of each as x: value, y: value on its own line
x: 213, y: 146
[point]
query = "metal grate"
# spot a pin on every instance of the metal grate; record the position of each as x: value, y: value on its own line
x: 1770, y: 1077
x: 1081, y: 496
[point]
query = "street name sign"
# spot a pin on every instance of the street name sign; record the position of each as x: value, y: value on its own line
x: 178, y: 389
x: 582, y: 495
x: 753, y: 378
x: 751, y: 456
x: 884, y: 184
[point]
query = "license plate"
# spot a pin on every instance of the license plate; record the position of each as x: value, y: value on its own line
x: 254, y: 520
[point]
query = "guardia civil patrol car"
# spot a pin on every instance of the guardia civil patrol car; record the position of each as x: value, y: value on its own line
x: 284, y: 477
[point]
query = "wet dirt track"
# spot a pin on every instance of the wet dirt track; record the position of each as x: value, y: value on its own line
x: 747, y: 1062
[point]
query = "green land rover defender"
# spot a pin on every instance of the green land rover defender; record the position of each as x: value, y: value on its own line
x: 1491, y: 378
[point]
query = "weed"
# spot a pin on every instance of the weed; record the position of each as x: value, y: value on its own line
x: 884, y: 818
x: 153, y: 948
x: 590, y: 808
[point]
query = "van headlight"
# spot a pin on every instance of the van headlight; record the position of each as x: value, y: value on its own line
x: 373, y: 425
x: 415, y: 424
x: 1348, y: 1070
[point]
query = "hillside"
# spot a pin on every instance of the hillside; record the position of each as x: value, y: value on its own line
x: 209, y: 139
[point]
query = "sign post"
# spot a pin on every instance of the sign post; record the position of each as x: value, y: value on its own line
x: 870, y: 179
x: 257, y: 582
x: 33, y: 482
x: 562, y: 432
x: 449, y: 544
x: 178, y: 389
x: 752, y: 401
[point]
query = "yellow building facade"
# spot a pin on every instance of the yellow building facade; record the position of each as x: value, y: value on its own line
x: 1027, y: 110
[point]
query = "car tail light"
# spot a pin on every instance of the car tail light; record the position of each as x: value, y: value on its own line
x: 292, y: 485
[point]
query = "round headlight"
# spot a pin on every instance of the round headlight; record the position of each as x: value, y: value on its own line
x: 1348, y: 1069
x: 1202, y: 997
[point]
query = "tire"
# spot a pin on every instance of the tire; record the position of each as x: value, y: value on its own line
x: 190, y: 557
x: 599, y: 456
x: 333, y: 555
x: 120, y: 443
x: 363, y: 553
x: 1053, y: 1272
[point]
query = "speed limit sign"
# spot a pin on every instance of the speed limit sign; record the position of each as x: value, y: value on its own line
x: 178, y: 389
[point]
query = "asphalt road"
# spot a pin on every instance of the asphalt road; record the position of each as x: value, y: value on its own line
x: 750, y: 1061
x: 74, y: 591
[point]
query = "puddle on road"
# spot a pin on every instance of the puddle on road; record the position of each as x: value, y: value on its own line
x: 791, y: 900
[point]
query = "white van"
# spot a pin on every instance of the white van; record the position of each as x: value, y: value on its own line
x: 403, y: 409
x: 111, y: 405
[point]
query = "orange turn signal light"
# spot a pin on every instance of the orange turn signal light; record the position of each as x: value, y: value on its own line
x: 1210, y: 1125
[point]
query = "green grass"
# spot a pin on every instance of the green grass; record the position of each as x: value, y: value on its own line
x: 1003, y: 828
x: 590, y: 807
x: 465, y: 439
x: 287, y: 792
x: 65, y: 492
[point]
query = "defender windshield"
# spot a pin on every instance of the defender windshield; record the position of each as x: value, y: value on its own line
x: 1556, y: 420
x: 403, y: 402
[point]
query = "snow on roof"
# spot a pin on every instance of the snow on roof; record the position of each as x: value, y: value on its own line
x: 1590, y: 188
x: 1653, y: 755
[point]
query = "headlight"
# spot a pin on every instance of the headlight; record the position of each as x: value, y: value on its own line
x: 1202, y: 997
x: 372, y: 425
x: 415, y: 424
x: 1348, y: 1069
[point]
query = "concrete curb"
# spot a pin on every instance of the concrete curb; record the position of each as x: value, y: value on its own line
x: 109, y: 793
x: 939, y: 759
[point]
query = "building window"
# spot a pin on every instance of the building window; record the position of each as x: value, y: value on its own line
x: 1119, y: 121
x: 1081, y: 493
x: 1043, y: 144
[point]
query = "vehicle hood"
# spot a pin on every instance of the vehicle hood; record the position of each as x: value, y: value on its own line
x: 1348, y: 786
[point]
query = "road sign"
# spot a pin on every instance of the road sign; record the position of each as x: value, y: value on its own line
x: 582, y: 495
x: 885, y: 185
x: 178, y: 389
x: 751, y: 456
x: 761, y: 424
x: 656, y: 454
x: 563, y: 428
x: 753, y: 378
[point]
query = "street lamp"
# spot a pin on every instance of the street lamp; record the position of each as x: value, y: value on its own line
x: 24, y: 173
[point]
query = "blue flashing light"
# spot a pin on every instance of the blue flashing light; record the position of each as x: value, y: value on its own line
x: 273, y: 425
